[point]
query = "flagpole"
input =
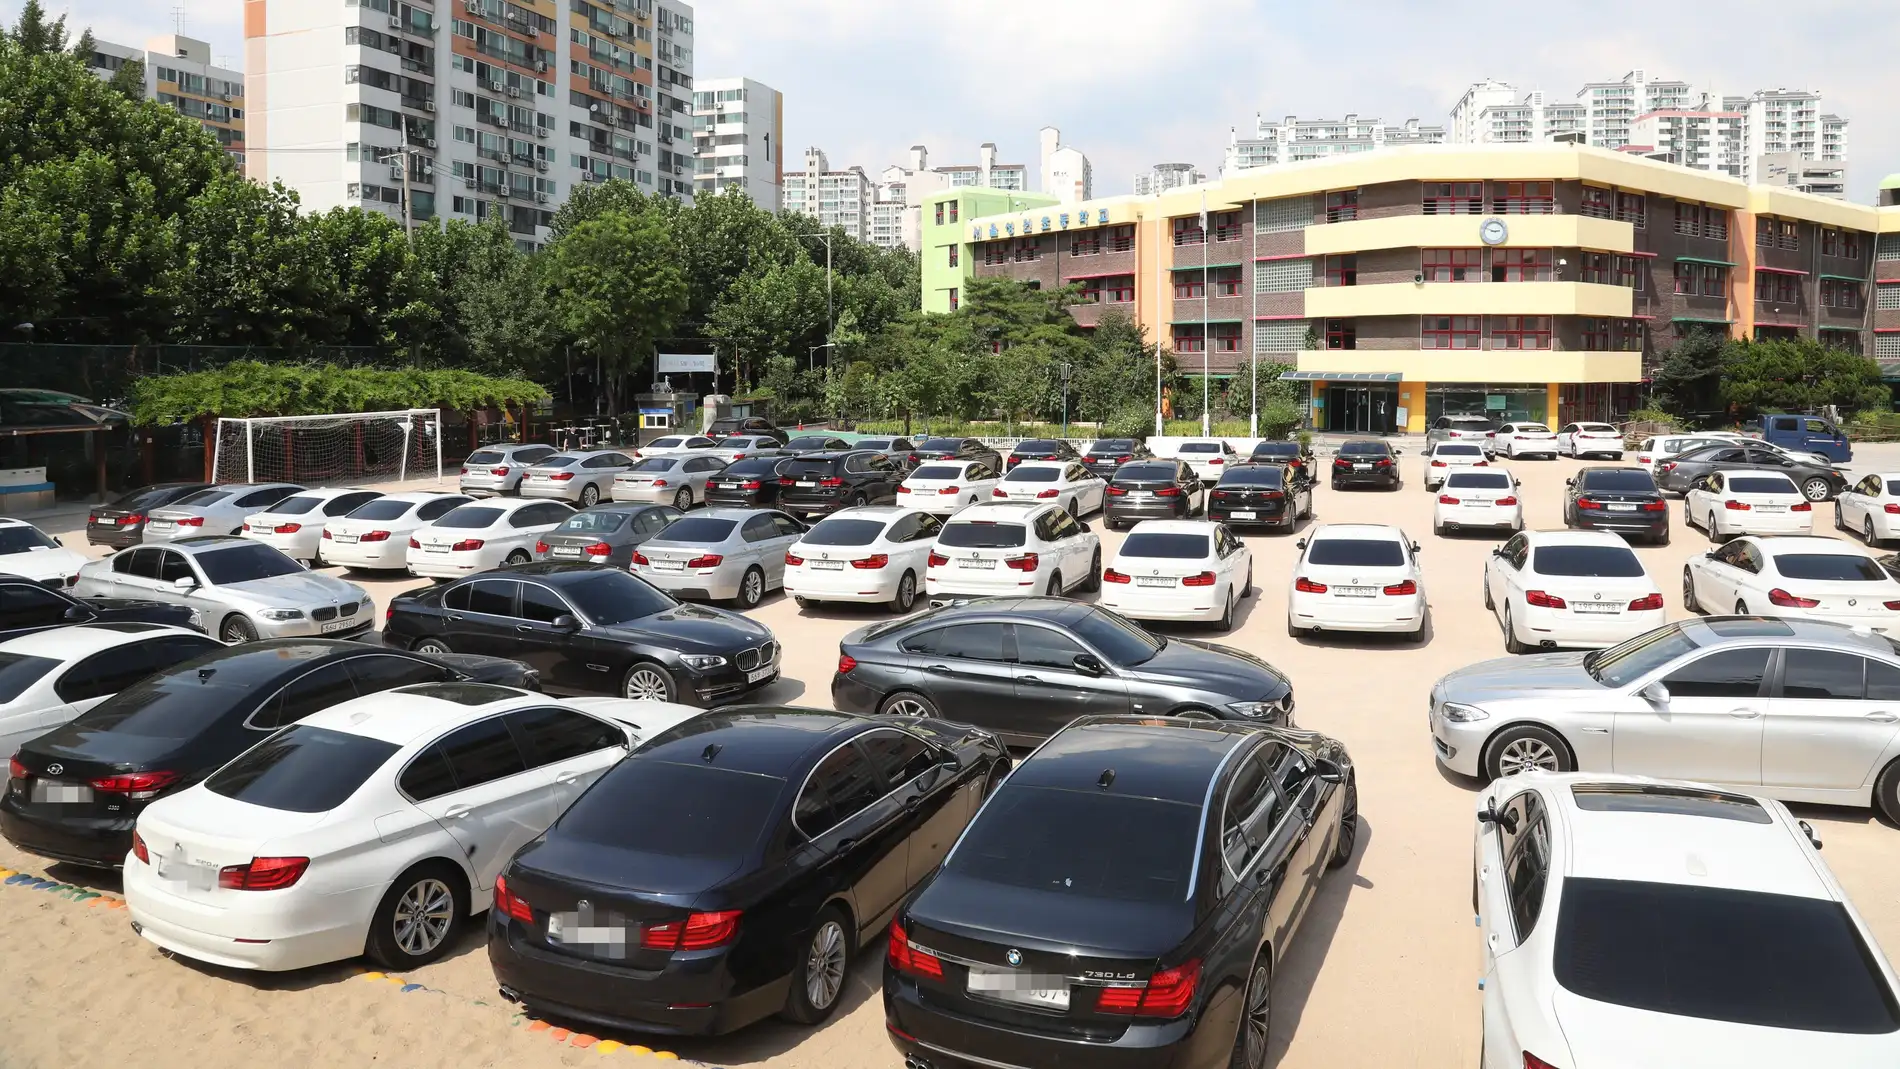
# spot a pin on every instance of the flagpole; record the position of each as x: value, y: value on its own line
x: 1253, y: 323
x: 1207, y: 426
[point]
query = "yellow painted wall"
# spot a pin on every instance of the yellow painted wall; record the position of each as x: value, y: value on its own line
x: 1412, y: 399
x: 1480, y: 365
x: 1471, y: 298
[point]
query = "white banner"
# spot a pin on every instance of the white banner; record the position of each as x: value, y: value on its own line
x: 682, y: 363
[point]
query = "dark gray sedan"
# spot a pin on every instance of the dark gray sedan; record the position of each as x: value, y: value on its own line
x: 1818, y: 481
x: 605, y: 534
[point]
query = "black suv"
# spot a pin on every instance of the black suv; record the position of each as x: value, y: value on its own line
x: 1293, y: 453
x: 1366, y: 463
x: 957, y: 449
x: 1107, y: 454
x: 1624, y: 500
x: 819, y: 484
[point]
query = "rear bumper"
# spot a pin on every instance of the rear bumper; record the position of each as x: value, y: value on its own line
x: 849, y: 584
x: 939, y: 1039
x: 810, y: 505
x: 283, y: 932
x: 851, y: 696
x: 962, y: 586
x: 571, y: 492
x: 94, y: 842
x: 1198, y: 604
x: 1505, y: 516
x: 299, y: 546
x: 708, y: 584
x: 1235, y: 516
x: 1380, y: 613
x: 1573, y: 630
x: 489, y: 487
x: 449, y: 565
x: 113, y: 535
x: 1122, y: 510
x: 751, y: 499
x: 1585, y: 448
x: 1650, y: 523
x: 1364, y: 478
x: 392, y: 553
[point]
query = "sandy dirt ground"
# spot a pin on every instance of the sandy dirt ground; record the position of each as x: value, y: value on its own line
x: 1383, y: 973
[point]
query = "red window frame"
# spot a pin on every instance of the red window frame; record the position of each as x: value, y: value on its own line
x: 1342, y: 334
x: 1688, y: 279
x: 1342, y: 270
x: 953, y: 298
x: 1595, y: 334
x: 1227, y: 226
x: 1524, y: 198
x: 995, y: 252
x: 1629, y: 272
x: 1028, y: 250
x: 1714, y: 280
x: 1189, y: 339
x: 1688, y: 219
x: 1520, y: 265
x: 1714, y: 223
x: 1830, y: 242
x: 1451, y: 265
x: 1633, y: 208
x: 1189, y: 286
x: 1092, y: 290
x: 1629, y: 335
x: 1788, y: 235
x: 1840, y: 294
x: 940, y: 214
x: 953, y: 211
x: 1343, y: 206
x: 1774, y: 287
x: 1122, y: 290
x: 1850, y: 244
x: 1596, y: 267
x: 1765, y: 232
x: 1520, y: 332
x: 1121, y: 238
x: 954, y: 255
x: 1227, y: 282
x: 1086, y: 243
x: 1453, y: 198
x: 1451, y: 332
x: 1226, y: 337
x: 1597, y: 203
x: 1188, y: 231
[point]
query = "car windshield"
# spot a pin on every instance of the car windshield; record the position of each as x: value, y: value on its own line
x: 243, y: 563
x: 943, y: 472
x: 1112, y: 445
x: 1166, y: 546
x: 1145, y: 473
x: 1624, y: 480
x: 1356, y: 552
x: 844, y: 531
x: 1365, y: 449
x: 942, y: 445
x: 1634, y: 658
x: 294, y: 506
x: 982, y: 534
x: 1450, y: 450
x: 1200, y: 447
x: 1026, y: 474
x: 592, y: 523
x: 19, y: 671
x: 559, y: 460
x: 698, y: 529
x: 808, y: 443
x: 610, y: 596
x: 1596, y: 562
x: 302, y: 769
x: 1083, y: 844
x: 1673, y: 948
x: 665, y: 809
x: 202, y: 497
x: 1829, y: 567
x: 24, y: 539
x: 382, y: 508
x: 1121, y: 641
x: 1268, y: 476
x: 484, y: 456
x: 656, y: 464
x: 469, y: 517
x: 1478, y: 480
x: 809, y: 469
x: 1759, y: 485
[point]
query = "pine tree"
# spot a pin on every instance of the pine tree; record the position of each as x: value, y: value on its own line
x: 35, y: 35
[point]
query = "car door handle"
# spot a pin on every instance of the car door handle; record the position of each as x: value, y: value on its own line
x: 913, y: 801
x: 455, y: 812
x: 1744, y: 714
x: 524, y: 629
x: 455, y: 616
x: 938, y: 669
x: 566, y: 777
x: 1882, y: 716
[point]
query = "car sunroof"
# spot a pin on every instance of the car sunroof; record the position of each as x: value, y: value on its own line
x: 1673, y: 801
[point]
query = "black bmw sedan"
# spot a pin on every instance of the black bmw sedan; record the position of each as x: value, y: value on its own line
x: 1366, y: 463
x: 26, y: 607
x: 74, y: 794
x: 1024, y: 667
x: 1624, y: 500
x: 733, y: 867
x: 956, y: 449
x: 751, y: 483
x: 1106, y: 455
x: 1122, y: 900
x: 590, y: 630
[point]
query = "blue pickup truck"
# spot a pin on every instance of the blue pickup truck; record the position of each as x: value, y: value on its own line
x: 1807, y: 434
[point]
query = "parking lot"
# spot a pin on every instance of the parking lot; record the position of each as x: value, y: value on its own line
x: 1384, y: 973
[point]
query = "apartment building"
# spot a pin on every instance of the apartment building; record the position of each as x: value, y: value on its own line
x: 1521, y: 281
x: 738, y: 139
x: 1502, y: 116
x: 836, y: 198
x: 885, y: 211
x: 179, y: 72
x: 1067, y: 174
x: 1295, y: 139
x: 481, y: 109
x: 1887, y: 282
x: 1163, y: 177
x: 1702, y: 139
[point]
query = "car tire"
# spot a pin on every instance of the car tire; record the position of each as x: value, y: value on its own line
x: 649, y: 681
x: 1253, y: 1033
x: 1511, y: 643
x: 415, y: 922
x: 825, y: 966
x: 684, y: 499
x: 519, y: 556
x: 1887, y: 793
x: 431, y: 646
x: 909, y: 703
x: 1867, y: 534
x: 1438, y: 529
x: 1418, y: 635
x: 1348, y: 825
x: 1489, y: 605
x: 1293, y: 631
x: 1074, y: 510
x: 1689, y: 602
x: 1708, y: 527
x: 1094, y: 580
x: 857, y: 500
x: 1838, y: 525
x: 751, y: 588
x: 1816, y: 488
x: 1741, y: 607
x: 1336, y: 486
x: 236, y: 629
x: 906, y: 594
x: 1247, y: 591
x: 1525, y: 746
x: 1226, y: 621
x: 590, y: 496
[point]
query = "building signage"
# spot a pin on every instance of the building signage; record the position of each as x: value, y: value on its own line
x: 684, y: 363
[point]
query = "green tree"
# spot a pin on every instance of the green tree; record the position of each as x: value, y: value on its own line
x: 129, y: 80
x: 779, y: 311
x: 1020, y: 381
x: 34, y: 35
x: 249, y: 272
x: 83, y: 48
x: 618, y: 288
x: 1688, y: 383
x: 1798, y: 375
x: 376, y: 294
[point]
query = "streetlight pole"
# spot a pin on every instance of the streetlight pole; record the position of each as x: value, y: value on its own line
x: 811, y: 355
x: 826, y: 238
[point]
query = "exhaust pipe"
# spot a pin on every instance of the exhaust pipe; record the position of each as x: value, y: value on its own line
x: 137, y: 928
x: 912, y: 1061
x: 509, y: 994
x: 1547, y: 644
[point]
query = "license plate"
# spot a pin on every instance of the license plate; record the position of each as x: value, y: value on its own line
x: 1362, y: 467
x: 976, y: 563
x: 1138, y: 493
x: 806, y: 484
x: 198, y: 877
x: 160, y: 525
x: 52, y: 792
x: 1243, y: 515
x: 1154, y: 580
x: 670, y: 565
x: 759, y: 673
x: 435, y: 549
x: 1771, y: 508
x: 337, y: 625
x: 342, y: 538
x: 1595, y: 606
x: 1355, y: 591
x: 567, y: 553
x: 1613, y: 507
x: 828, y: 565
x: 1048, y: 992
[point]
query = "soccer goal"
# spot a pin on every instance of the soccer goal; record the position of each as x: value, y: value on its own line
x: 346, y: 447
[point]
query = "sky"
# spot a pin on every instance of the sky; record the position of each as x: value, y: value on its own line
x: 1132, y: 84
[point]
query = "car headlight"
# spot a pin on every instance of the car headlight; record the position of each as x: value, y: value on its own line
x: 282, y: 614
x: 701, y: 661
x: 1463, y: 714
x: 1254, y: 709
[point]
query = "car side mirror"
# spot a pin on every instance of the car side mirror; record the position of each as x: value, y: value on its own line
x: 1497, y: 551
x: 58, y: 541
x: 1085, y: 525
x: 1490, y: 815
x: 1329, y: 771
x: 1301, y: 544
x: 564, y: 622
x: 1808, y: 830
x: 1088, y: 665
x: 1570, y: 482
x: 185, y: 582
x: 1656, y: 693
x: 75, y: 612
x: 1415, y: 548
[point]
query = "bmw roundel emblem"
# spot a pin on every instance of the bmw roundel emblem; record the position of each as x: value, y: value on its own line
x: 56, y: 768
x: 1014, y: 957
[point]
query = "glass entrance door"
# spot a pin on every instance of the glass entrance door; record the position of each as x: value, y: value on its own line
x: 1361, y: 409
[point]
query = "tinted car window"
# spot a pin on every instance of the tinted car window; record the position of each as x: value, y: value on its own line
x: 1269, y: 477
x: 302, y: 769
x: 294, y: 506
x: 1759, y: 485
x: 1829, y: 567
x: 1086, y: 845
x: 942, y: 445
x: 1356, y: 552
x: 427, y: 776
x: 202, y: 497
x: 899, y: 757
x: 383, y: 509
x: 754, y: 468
x: 656, y: 464
x: 312, y: 692
x: 23, y: 605
x: 664, y: 809
x: 1165, y: 546
x: 541, y: 605
x: 1599, y: 562
x: 1527, y: 870
x: 151, y: 497
x: 614, y: 597
x: 1277, y: 449
x: 1365, y: 449
x: 592, y: 523
x: 840, y: 788
x: 941, y: 472
x: 1112, y: 445
x: 1028, y: 474
x: 481, y: 753
x: 1120, y: 641
x: 469, y: 517
x: 1478, y: 480
x: 1821, y: 674
x: 1137, y: 471
x: 493, y: 596
x: 973, y: 642
x: 485, y: 456
x: 972, y: 534
x: 376, y: 674
x: 1040, y: 647
x: 172, y: 566
x: 19, y: 671
x: 241, y: 564
x: 432, y: 510
x: 1722, y: 674
x: 1625, y: 481
x: 698, y: 529
x: 269, y: 496
x: 844, y: 531
x: 559, y: 734
x: 1450, y: 450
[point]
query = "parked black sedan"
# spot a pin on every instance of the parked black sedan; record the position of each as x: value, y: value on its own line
x: 733, y: 867
x: 753, y: 426
x: 957, y: 449
x: 1818, y: 481
x: 75, y: 793
x: 26, y: 607
x: 1123, y: 900
x: 122, y: 523
x: 1367, y: 463
x: 814, y: 443
x: 751, y: 483
x: 1293, y: 453
x: 1263, y: 494
x: 590, y: 630
x: 1152, y: 490
x: 1040, y: 449
x: 819, y: 484
x: 1105, y: 455
x: 1624, y: 500
x: 1024, y: 667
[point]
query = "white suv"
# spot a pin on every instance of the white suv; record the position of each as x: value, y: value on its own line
x: 992, y: 550
x: 1628, y: 922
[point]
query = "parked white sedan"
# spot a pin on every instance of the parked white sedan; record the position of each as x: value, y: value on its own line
x: 1478, y: 499
x: 49, y: 677
x: 678, y: 444
x: 1357, y: 577
x: 294, y: 526
x: 1870, y: 508
x: 1730, y: 503
x: 376, y: 535
x: 943, y: 487
x: 875, y: 553
x: 1068, y: 483
x: 374, y: 826
x: 1005, y: 549
x: 1209, y: 457
x: 1443, y: 458
x: 1525, y: 439
x: 482, y: 535
x: 1574, y: 589
x: 1590, y: 440
x: 27, y: 551
x: 1179, y: 570
x: 1819, y: 578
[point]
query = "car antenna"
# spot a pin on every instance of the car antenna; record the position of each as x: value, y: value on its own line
x: 205, y: 674
x: 1107, y: 780
x: 711, y: 751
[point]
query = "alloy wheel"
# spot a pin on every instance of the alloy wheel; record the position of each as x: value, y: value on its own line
x: 1815, y: 489
x: 1526, y: 755
x: 645, y: 684
x: 590, y: 496
x: 754, y: 588
x: 824, y: 965
x: 1259, y: 1019
x: 907, y: 707
x: 423, y: 915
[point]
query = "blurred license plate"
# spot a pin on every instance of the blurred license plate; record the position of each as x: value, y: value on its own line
x: 568, y: 552
x: 342, y: 538
x: 337, y: 625
x: 435, y: 549
x: 1154, y: 580
x: 160, y: 525
x: 978, y: 563
x: 828, y: 565
x: 1615, y: 507
x: 759, y: 673
x: 198, y: 877
x: 1046, y: 991
x: 807, y: 484
x: 670, y: 565
x: 1355, y: 591
x: 1362, y: 467
x: 1595, y: 606
x: 1771, y: 508
x: 1243, y: 515
x: 53, y: 792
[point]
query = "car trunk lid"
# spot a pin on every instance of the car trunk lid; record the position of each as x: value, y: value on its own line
x: 189, y: 845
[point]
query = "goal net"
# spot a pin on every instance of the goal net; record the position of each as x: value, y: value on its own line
x: 346, y: 447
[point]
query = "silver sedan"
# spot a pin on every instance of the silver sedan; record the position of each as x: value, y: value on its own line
x: 679, y: 481
x: 738, y: 447
x: 497, y: 469
x: 218, y: 510
x: 583, y: 477
x: 237, y: 589
x: 720, y: 554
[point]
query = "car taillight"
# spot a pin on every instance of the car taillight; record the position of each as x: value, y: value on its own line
x: 1482, y: 464
x: 1667, y: 467
x: 752, y: 484
x: 1447, y: 499
x: 1203, y: 579
x: 540, y: 547
x: 1168, y: 491
x: 831, y: 480
x: 937, y: 560
x: 1781, y: 597
x: 846, y: 663
x: 659, y: 484
x: 701, y: 931
x: 413, y: 544
x: 289, y: 528
x: 138, y: 848
x: 1438, y: 464
x: 263, y: 874
x: 389, y: 613
x: 783, y: 481
x: 1382, y: 462
x: 467, y: 545
x: 1307, y: 586
x: 1532, y: 1061
x: 1341, y: 462
x: 793, y: 559
x: 908, y: 959
x: 498, y: 471
x: 15, y: 768
x: 192, y: 521
x: 1110, y: 575
x: 1116, y: 491
x: 1168, y: 993
x: 640, y: 558
x: 913, y: 458
x: 378, y: 536
x: 1805, y: 506
x: 1735, y: 506
x: 903, y: 489
x: 598, y: 549
x: 561, y: 476
x: 948, y: 490
x: 135, y: 785
x: 1544, y: 601
x: 1216, y: 462
x: 131, y: 521
x: 1646, y: 603
x: 1655, y: 506
x: 1025, y: 563
x: 244, y: 526
x: 738, y: 457
x: 511, y: 904
x: 1641, y: 459
x: 875, y: 560
x: 1506, y: 501
x: 1588, y: 503
x: 1400, y: 589
x: 998, y: 492
x: 1049, y: 493
x: 1891, y: 509
x: 708, y: 560
x: 326, y: 532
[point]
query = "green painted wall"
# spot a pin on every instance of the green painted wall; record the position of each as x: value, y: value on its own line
x: 972, y: 202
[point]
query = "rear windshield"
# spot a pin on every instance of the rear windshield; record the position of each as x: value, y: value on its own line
x: 1167, y: 546
x: 873, y: 443
x: 485, y: 456
x: 938, y: 471
x: 1250, y: 477
x: 1469, y: 423
x: 19, y: 671
x: 1674, y: 948
x: 202, y: 497
x: 1632, y: 479
x: 1112, y: 445
x: 1365, y: 449
x: 241, y: 564
x: 1277, y: 449
x: 1089, y: 845
x: 1596, y: 428
x: 1597, y: 562
x: 302, y: 769
x: 1532, y: 428
x: 656, y: 464
x: 559, y: 460
x: 674, y: 810
x: 1033, y: 475
x: 844, y: 531
x: 1139, y: 472
x: 808, y: 443
x: 1829, y: 567
x: 592, y: 523
x: 1478, y: 480
x: 698, y: 529
x: 982, y: 534
x: 1356, y: 552
x: 1037, y: 447
x: 611, y: 596
x: 469, y: 517
x: 1200, y: 447
x: 146, y: 498
x: 1449, y: 450
x: 657, y: 443
x: 295, y: 506
x: 942, y: 445
x: 173, y: 705
x: 810, y: 469
x: 382, y: 509
x: 758, y: 466
x: 1759, y: 485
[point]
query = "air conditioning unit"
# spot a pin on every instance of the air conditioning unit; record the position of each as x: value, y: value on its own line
x: 514, y: 93
x: 541, y: 65
x: 395, y: 22
x: 473, y: 7
x: 469, y: 182
x: 431, y: 141
x: 541, y: 165
x: 504, y: 192
x: 608, y: 120
x: 428, y: 106
x: 587, y: 176
x: 495, y: 87
x: 395, y: 172
x: 540, y: 198
x: 226, y: 97
x: 541, y: 131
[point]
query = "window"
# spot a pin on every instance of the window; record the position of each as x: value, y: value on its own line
x: 1632, y: 208
x: 953, y: 299
x: 1777, y: 287
x: 1040, y: 647
x: 1342, y: 206
x: 1287, y: 336
x: 111, y: 671
x: 1688, y: 219
x: 1285, y: 215
x: 1028, y: 250
x: 1723, y: 674
x: 302, y: 770
x: 1595, y: 267
x: 1187, y: 231
x: 1840, y: 293
x: 1451, y: 332
x: 970, y: 642
x: 1821, y: 675
x: 900, y: 757
x: 1765, y: 231
x: 1597, y: 203
x: 1227, y: 226
x: 995, y: 252
x: 1887, y: 295
x: 954, y: 252
x: 1520, y: 332
x: 1630, y: 272
x: 842, y: 786
x: 1189, y: 285
x: 1453, y: 198
x: 953, y: 211
x: 1121, y: 238
x: 1520, y: 265
x: 1887, y: 247
x: 1850, y: 245
x: 1596, y: 334
x: 1226, y: 337
x: 541, y: 605
x: 317, y: 689
x: 1227, y: 282
x: 1342, y: 270
x: 383, y: 672
x: 1341, y: 334
x: 1715, y: 223
x: 23, y: 606
x: 939, y: 213
x: 1788, y: 235
x: 1452, y: 265
x: 482, y: 753
x: 1120, y: 289
x: 1707, y: 280
x: 560, y: 734
x: 1887, y: 344
x: 1252, y: 808
x: 1085, y: 243
x: 1527, y: 869
x: 1524, y: 198
x: 1189, y: 339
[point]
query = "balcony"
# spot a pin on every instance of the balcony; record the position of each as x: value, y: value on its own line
x: 1461, y: 231
x: 1479, y: 365
x: 1472, y: 298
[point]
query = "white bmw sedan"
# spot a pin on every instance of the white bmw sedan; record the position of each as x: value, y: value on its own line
x: 294, y: 526
x: 376, y: 535
x: 1628, y: 922
x: 483, y: 535
x: 1870, y: 508
x: 1819, y: 578
x: 1004, y: 549
x: 1443, y: 458
x: 1068, y: 483
x: 1730, y: 503
x: 944, y: 487
x: 49, y: 677
x: 372, y: 827
x: 1582, y: 440
x: 1357, y: 577
x: 1569, y: 588
x: 1483, y: 499
x: 1179, y: 570
x: 876, y: 553
x: 1525, y: 439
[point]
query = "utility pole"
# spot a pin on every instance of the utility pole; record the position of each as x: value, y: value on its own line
x: 1065, y: 399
